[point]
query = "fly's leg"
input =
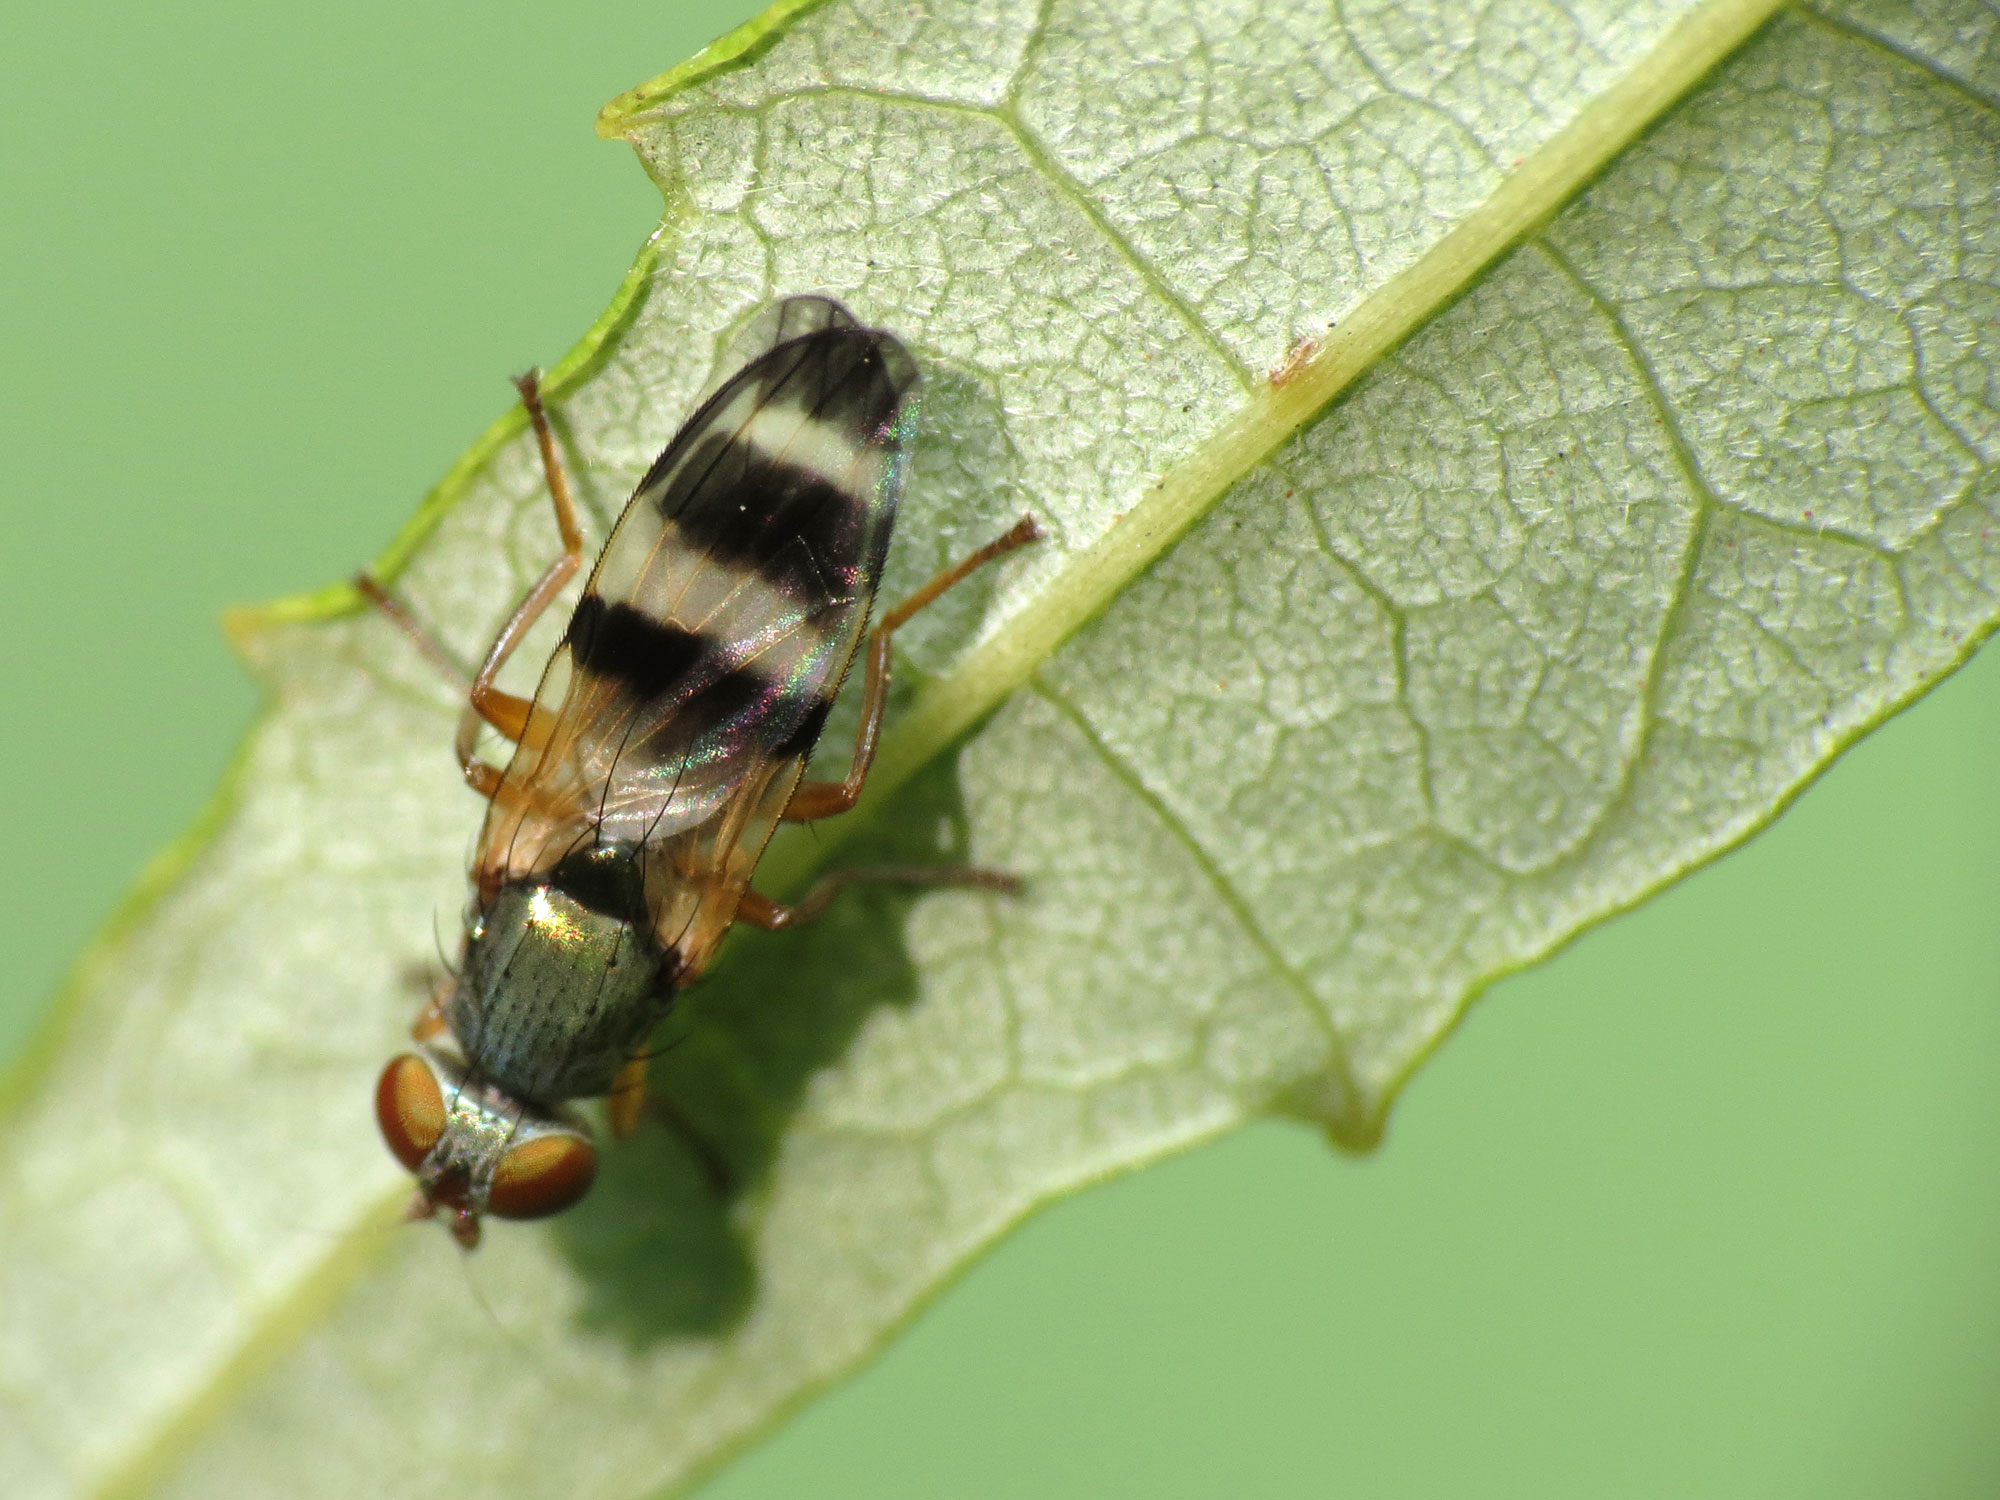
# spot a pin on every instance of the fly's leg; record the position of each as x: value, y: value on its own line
x: 822, y: 799
x: 481, y: 777
x: 430, y: 1022
x: 760, y: 910
x: 628, y: 1096
x: 428, y: 646
x: 506, y: 712
x: 630, y: 1104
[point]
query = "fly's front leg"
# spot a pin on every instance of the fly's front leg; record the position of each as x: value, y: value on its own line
x: 481, y: 777
x: 506, y: 712
x: 822, y: 799
x: 760, y: 910
x: 437, y: 988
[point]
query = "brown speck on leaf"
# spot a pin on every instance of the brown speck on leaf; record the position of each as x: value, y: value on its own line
x: 1296, y: 361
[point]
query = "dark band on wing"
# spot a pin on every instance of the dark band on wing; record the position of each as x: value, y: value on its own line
x: 757, y: 508
x: 657, y: 659
x: 801, y: 740
x: 649, y: 657
x: 743, y: 506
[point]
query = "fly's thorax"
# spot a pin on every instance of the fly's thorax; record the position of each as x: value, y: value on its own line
x: 562, y: 978
x: 475, y: 1149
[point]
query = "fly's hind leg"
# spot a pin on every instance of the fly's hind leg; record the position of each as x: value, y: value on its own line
x: 760, y: 910
x: 506, y: 712
x: 822, y: 799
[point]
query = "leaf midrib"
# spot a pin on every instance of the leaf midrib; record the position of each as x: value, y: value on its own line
x: 1090, y: 578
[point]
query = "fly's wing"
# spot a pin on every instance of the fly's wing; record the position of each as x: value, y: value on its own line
x: 722, y: 614
x: 776, y: 324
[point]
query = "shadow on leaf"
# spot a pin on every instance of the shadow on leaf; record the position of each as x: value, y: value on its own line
x: 663, y: 1243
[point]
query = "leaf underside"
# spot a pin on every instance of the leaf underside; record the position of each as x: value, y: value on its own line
x: 1595, y: 507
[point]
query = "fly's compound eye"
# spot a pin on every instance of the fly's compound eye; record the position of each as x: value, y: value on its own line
x: 543, y: 1174
x: 409, y: 1106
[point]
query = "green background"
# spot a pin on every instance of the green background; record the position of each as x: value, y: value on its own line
x: 1705, y: 1207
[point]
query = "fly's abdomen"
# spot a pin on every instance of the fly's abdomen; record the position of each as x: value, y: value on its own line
x: 562, y: 981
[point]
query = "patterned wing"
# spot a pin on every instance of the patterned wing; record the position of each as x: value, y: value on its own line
x: 724, y: 610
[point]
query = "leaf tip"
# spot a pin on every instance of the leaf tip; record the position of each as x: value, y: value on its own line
x: 1330, y: 1103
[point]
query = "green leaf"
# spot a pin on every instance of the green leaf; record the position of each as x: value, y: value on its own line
x: 1492, y: 462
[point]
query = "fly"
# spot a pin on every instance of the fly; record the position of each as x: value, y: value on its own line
x: 668, y: 739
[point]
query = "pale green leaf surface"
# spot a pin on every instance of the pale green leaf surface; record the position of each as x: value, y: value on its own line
x: 1566, y: 593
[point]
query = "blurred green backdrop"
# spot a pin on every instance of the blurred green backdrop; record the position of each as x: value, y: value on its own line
x: 1709, y: 1206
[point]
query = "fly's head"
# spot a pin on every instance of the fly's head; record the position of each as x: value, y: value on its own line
x: 475, y: 1149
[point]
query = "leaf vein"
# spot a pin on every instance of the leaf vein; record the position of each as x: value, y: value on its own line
x: 1673, y: 615
x: 1853, y: 30
x: 1073, y: 192
x: 1232, y: 899
x: 1399, y: 649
